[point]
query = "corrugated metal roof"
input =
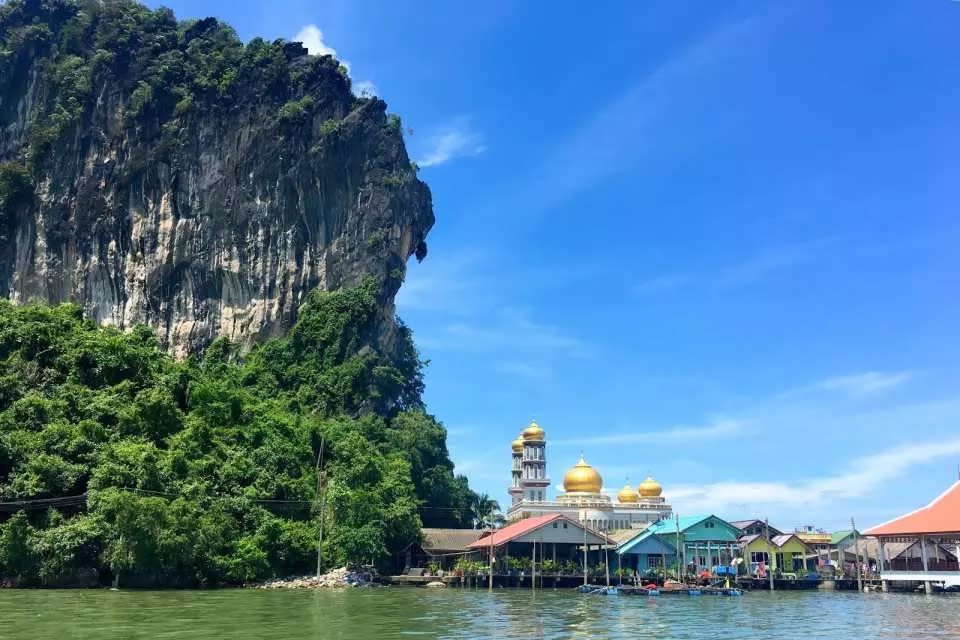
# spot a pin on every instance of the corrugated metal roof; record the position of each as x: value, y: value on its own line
x: 940, y: 516
x: 670, y: 524
x: 743, y: 524
x: 643, y: 536
x: 517, y: 529
x: 449, y: 539
x: 839, y: 536
x: 785, y: 538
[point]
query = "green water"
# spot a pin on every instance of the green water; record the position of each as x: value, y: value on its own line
x: 452, y: 613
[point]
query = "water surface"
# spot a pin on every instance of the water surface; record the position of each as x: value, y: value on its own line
x: 454, y: 613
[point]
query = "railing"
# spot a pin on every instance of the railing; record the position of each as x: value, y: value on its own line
x: 916, y: 564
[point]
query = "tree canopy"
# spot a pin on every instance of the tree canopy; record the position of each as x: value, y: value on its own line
x: 204, y: 471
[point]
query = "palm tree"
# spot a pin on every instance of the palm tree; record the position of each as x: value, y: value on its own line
x: 485, y: 512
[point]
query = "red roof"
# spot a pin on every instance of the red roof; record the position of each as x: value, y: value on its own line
x: 940, y: 516
x: 513, y: 531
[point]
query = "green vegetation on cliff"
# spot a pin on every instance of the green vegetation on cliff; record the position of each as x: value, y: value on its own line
x: 203, y: 471
x: 164, y: 71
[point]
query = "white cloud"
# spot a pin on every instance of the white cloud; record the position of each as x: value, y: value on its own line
x: 714, y: 430
x: 866, y: 383
x: 312, y: 38
x: 865, y: 475
x: 454, y: 140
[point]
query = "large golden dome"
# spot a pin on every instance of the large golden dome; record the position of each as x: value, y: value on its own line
x: 650, y: 488
x: 627, y: 494
x: 534, y: 432
x: 517, y: 445
x: 582, y: 478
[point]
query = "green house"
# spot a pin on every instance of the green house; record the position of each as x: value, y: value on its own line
x: 702, y: 541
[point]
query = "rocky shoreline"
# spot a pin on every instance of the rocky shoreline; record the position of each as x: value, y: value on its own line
x: 342, y: 578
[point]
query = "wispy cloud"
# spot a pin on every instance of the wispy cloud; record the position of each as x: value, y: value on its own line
x: 865, y: 475
x: 866, y: 383
x: 679, y: 433
x: 660, y: 284
x: 766, y: 262
x: 509, y: 330
x: 735, y: 273
x: 629, y: 128
x: 455, y: 139
x: 452, y: 283
x: 525, y: 369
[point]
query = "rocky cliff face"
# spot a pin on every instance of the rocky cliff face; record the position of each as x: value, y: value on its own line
x: 162, y: 172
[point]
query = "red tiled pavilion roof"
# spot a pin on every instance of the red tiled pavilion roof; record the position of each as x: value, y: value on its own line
x: 517, y: 529
x: 940, y: 516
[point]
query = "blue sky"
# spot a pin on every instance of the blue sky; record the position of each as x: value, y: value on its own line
x: 715, y: 242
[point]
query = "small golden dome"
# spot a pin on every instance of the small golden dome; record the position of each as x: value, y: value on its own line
x: 534, y: 432
x: 582, y: 478
x: 627, y: 494
x: 517, y: 445
x: 650, y: 488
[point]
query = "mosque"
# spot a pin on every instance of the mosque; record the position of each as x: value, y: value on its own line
x: 583, y: 498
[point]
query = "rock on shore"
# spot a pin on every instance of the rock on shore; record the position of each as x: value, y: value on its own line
x: 335, y: 579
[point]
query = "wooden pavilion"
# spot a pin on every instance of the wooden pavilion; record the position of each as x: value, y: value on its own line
x: 933, y: 533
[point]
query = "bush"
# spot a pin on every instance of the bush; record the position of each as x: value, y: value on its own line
x: 296, y: 111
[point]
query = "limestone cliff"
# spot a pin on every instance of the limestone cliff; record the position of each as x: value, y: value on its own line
x: 163, y: 172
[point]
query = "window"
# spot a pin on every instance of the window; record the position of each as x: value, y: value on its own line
x: 654, y: 561
x: 564, y: 525
x: 554, y: 525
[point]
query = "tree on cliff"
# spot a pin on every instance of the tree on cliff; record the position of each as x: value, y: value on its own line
x: 203, y: 471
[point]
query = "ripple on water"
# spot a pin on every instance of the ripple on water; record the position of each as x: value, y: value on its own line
x: 455, y: 613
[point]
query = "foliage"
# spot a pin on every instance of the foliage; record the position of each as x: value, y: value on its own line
x: 16, y: 187
x: 203, y: 471
x: 329, y: 127
x: 296, y: 110
x: 76, y: 52
x: 485, y: 512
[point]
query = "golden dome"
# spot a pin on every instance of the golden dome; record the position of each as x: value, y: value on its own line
x: 533, y: 432
x: 517, y: 445
x: 583, y: 478
x: 650, y: 488
x: 627, y: 494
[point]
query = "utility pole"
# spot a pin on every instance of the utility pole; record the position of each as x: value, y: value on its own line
x: 766, y: 529
x: 856, y: 556
x: 606, y: 559
x: 533, y: 568
x: 583, y: 525
x: 490, y: 563
x: 681, y: 550
x: 322, y: 498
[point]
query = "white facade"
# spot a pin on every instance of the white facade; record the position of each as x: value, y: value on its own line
x: 530, y: 483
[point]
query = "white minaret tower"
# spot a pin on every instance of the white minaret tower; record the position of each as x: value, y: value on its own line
x: 533, y: 465
x: 516, y: 471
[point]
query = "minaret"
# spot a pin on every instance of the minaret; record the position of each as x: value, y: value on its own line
x: 533, y: 464
x: 516, y: 471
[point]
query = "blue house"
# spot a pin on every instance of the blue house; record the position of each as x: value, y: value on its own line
x: 646, y: 550
x: 703, y: 542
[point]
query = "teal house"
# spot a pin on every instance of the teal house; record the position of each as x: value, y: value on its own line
x: 646, y: 550
x: 703, y: 542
